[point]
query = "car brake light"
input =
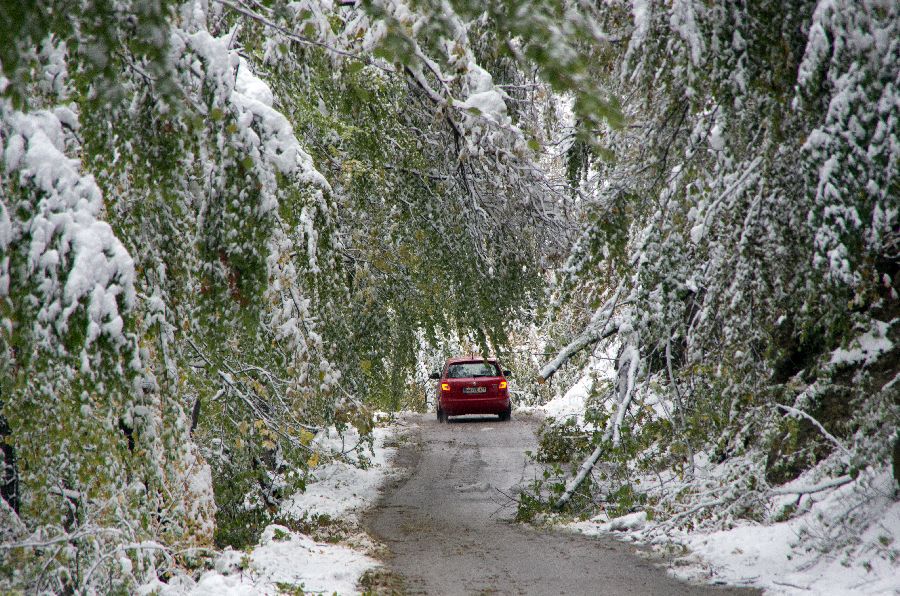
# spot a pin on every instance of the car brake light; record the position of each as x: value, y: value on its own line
x: 502, y: 384
x: 445, y: 386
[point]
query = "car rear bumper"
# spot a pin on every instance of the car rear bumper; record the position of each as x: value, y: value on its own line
x: 474, y: 405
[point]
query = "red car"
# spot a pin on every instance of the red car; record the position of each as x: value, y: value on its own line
x: 472, y: 386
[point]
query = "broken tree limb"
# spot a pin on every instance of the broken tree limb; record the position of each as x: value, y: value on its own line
x: 628, y: 367
x: 818, y: 425
x: 806, y: 490
x: 601, y: 326
x: 586, y: 466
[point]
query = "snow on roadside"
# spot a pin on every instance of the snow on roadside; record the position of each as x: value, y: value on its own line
x: 282, y: 560
x: 285, y: 559
x: 573, y: 403
x: 809, y: 553
x: 814, y: 551
x: 806, y: 554
x: 342, y: 489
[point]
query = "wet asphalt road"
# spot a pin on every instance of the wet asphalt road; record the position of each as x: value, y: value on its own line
x: 448, y: 524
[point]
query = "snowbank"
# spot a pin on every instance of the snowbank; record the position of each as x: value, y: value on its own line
x: 342, y: 489
x: 284, y: 559
x: 572, y: 403
x: 806, y: 554
x: 787, y: 557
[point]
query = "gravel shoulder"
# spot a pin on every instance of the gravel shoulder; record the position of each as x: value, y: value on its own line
x: 447, y: 523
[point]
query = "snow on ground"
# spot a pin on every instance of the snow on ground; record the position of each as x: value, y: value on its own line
x: 806, y: 554
x: 573, y: 402
x: 796, y: 556
x: 284, y: 559
x: 810, y: 553
x: 342, y: 489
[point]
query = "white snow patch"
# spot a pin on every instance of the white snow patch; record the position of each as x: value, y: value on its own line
x: 341, y: 488
x: 484, y: 98
x: 803, y: 555
x: 641, y: 12
x: 282, y: 559
x: 572, y: 403
x: 784, y: 558
x: 716, y: 139
x: 865, y: 348
x: 602, y: 523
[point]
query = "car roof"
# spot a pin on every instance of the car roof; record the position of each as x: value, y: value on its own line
x: 457, y: 359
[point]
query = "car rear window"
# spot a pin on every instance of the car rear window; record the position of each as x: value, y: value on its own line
x: 461, y: 370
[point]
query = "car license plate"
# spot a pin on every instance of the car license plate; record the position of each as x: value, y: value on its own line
x: 474, y: 389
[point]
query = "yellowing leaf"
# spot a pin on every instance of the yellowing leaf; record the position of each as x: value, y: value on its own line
x: 313, y: 460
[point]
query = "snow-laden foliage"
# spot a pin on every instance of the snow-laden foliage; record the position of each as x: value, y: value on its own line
x: 442, y: 213
x: 127, y: 298
x: 742, y: 233
x: 225, y: 225
x: 95, y: 458
x: 222, y: 229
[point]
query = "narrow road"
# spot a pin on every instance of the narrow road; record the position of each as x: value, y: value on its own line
x: 449, y: 526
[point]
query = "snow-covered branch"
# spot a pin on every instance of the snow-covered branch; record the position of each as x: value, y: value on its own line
x: 601, y: 326
x: 816, y: 488
x: 801, y: 414
x: 629, y: 361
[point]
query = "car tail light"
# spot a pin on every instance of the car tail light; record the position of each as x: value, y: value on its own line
x: 445, y: 386
x: 502, y: 385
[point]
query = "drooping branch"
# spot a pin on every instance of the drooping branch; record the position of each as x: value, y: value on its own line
x: 628, y: 367
x: 602, y: 326
x: 586, y: 467
x: 801, y: 414
x: 807, y: 490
